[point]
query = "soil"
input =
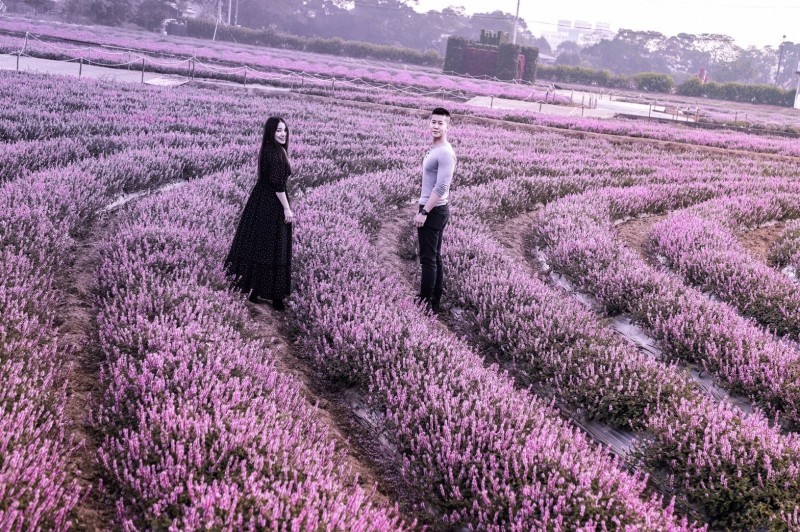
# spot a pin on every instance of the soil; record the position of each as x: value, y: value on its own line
x: 633, y: 233
x: 515, y: 235
x: 76, y: 322
x: 758, y: 241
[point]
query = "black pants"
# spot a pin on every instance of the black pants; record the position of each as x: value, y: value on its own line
x: 430, y: 255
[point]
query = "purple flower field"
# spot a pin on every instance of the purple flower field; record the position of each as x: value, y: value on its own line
x: 195, y: 420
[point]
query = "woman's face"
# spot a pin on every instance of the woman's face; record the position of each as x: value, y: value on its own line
x: 280, y: 133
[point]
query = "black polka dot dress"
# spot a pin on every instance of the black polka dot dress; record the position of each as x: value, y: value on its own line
x: 261, y: 253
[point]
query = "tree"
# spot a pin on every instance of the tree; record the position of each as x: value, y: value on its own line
x: 619, y: 56
x: 568, y: 58
x: 749, y: 66
x: 568, y: 47
x: 151, y: 13
x: 108, y: 12
x: 542, y: 44
x: 789, y: 64
x: 41, y: 6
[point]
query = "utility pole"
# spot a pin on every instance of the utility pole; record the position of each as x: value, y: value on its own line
x: 516, y: 21
x: 230, y: 6
x: 780, y: 58
x: 236, y: 14
x: 219, y: 18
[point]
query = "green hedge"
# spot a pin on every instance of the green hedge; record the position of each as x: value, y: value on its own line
x: 531, y: 62
x: 507, y: 61
x: 584, y: 76
x: 653, y: 82
x: 645, y: 81
x: 204, y: 29
x: 454, y: 55
x: 738, y: 92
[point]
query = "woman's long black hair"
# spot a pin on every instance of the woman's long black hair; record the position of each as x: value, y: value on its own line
x: 269, y: 144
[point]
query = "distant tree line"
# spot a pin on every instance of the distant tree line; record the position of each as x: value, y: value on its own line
x: 206, y: 29
x: 685, y: 55
x: 395, y: 23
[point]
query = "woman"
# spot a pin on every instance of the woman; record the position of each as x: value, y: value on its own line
x: 261, y: 254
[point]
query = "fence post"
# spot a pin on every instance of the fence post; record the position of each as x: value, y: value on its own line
x: 80, y: 68
x: 491, y: 103
x: 650, y: 110
x: 245, y: 76
x: 142, y: 69
x: 540, y: 106
x: 18, y: 54
x: 192, y: 68
x: 25, y: 44
x: 333, y: 84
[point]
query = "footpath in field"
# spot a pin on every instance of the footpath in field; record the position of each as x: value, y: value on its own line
x: 132, y: 75
x: 603, y: 108
x: 77, y: 331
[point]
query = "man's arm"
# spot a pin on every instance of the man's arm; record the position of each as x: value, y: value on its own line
x: 444, y: 175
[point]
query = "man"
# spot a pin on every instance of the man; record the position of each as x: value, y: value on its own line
x: 437, y: 173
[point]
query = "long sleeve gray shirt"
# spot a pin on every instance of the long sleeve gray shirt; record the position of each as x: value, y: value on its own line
x: 437, y: 173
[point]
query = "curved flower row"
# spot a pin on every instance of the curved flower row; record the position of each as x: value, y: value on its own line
x: 700, y: 244
x: 35, y: 489
x: 487, y: 455
x: 201, y: 430
x: 785, y: 251
x: 606, y: 379
x: 39, y: 209
x: 578, y: 237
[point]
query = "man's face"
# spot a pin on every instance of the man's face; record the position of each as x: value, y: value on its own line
x: 439, y: 125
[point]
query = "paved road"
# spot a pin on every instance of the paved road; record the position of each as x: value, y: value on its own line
x: 603, y: 108
x: 73, y: 68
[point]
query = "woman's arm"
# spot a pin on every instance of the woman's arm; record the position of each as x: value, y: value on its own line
x: 272, y: 171
x: 287, y: 211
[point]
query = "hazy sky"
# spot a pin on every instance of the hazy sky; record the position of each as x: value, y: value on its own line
x: 750, y: 22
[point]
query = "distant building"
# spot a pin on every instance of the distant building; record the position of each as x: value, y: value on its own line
x: 581, y: 32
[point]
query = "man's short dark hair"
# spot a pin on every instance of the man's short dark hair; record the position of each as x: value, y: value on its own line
x: 441, y: 111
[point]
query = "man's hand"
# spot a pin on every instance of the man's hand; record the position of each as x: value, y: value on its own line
x: 419, y: 219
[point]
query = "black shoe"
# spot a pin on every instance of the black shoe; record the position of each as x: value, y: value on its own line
x: 277, y: 304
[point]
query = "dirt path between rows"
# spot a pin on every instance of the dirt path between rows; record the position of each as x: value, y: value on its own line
x: 76, y: 322
x: 633, y: 233
x: 354, y: 427
x: 758, y: 241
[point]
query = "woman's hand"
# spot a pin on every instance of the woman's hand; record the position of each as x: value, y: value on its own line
x: 288, y: 215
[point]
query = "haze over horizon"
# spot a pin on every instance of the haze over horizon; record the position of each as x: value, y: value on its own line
x: 748, y: 22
